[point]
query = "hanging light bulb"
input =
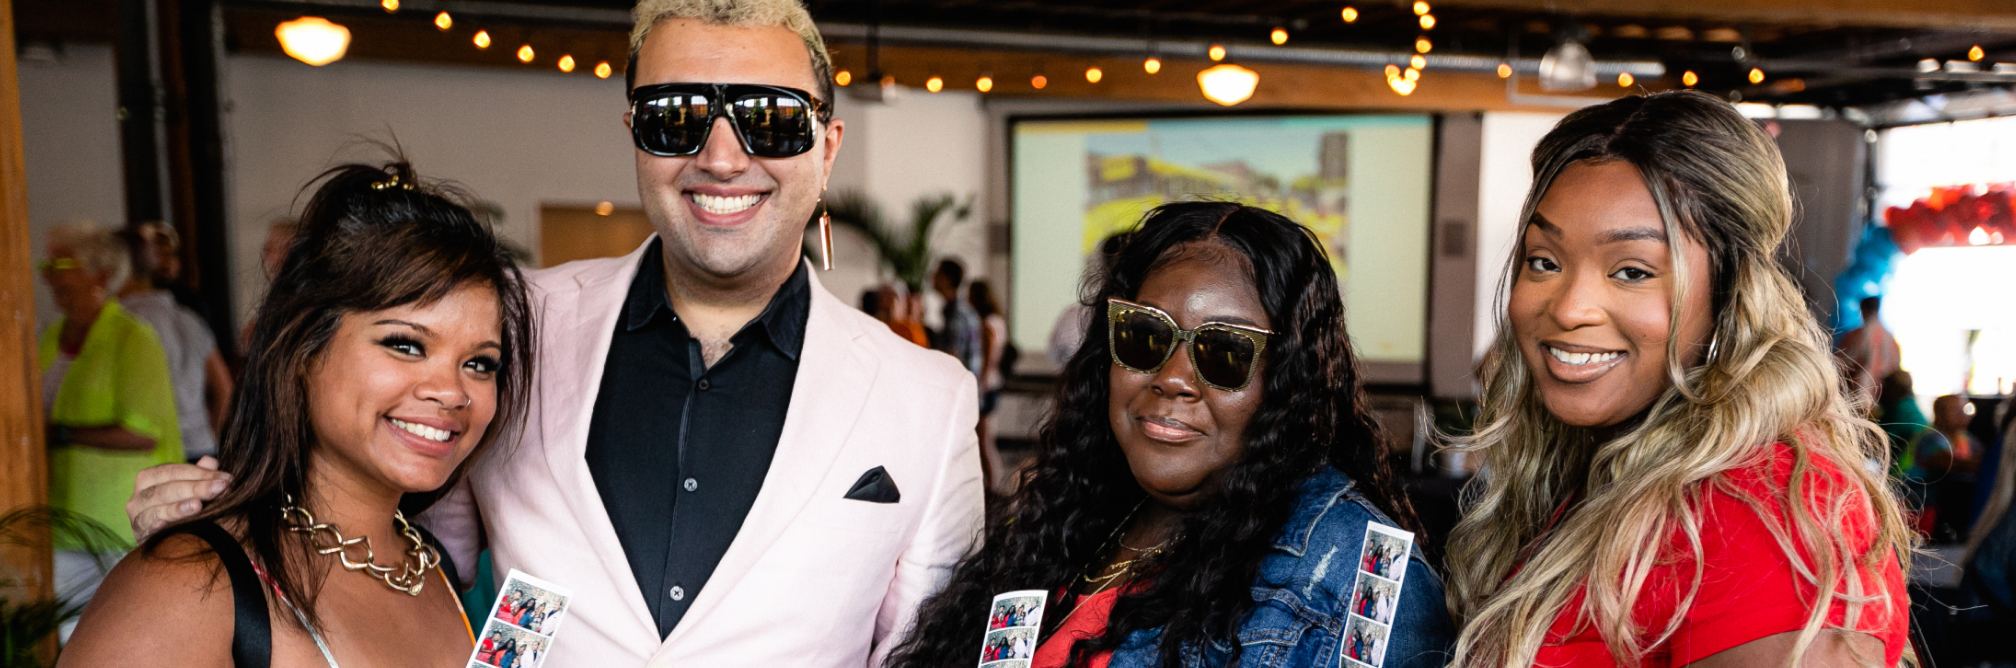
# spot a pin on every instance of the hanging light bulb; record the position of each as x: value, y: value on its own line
x: 313, y: 40
x: 1420, y: 8
x: 986, y: 83
x: 1756, y: 75
x: 1625, y: 79
x: 1402, y: 85
x: 1350, y: 14
x: 1411, y: 74
x: 444, y: 21
x: 1689, y: 78
x: 1039, y: 81
x: 1567, y: 67
x: 389, y: 5
x: 605, y: 208
x: 482, y: 39
x: 1976, y: 54
x: 1427, y: 21
x: 525, y: 54
x: 1094, y: 74
x: 1422, y: 45
x: 1279, y: 36
x: 602, y: 70
x: 1217, y: 53
x: 1418, y: 62
x: 1228, y: 84
x: 1504, y: 70
x: 1152, y: 65
x: 934, y: 84
x: 566, y: 63
x: 843, y: 77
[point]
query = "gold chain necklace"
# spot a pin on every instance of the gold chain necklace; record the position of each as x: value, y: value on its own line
x: 325, y: 538
x: 1124, y: 568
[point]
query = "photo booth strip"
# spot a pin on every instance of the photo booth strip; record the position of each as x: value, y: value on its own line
x: 534, y: 638
x: 1020, y: 612
x: 1382, y: 571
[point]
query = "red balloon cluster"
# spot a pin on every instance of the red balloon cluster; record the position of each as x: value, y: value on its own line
x: 1971, y: 215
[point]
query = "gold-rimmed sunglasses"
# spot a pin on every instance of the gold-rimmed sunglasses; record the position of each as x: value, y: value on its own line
x: 58, y: 263
x: 1142, y: 338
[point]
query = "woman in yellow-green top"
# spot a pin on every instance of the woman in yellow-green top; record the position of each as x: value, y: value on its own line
x: 105, y: 382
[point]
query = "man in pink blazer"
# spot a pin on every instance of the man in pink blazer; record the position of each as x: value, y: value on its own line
x: 727, y: 465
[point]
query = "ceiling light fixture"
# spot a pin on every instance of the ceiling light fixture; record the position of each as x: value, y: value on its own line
x: 1039, y: 81
x: 1094, y: 74
x: 389, y: 5
x: 1350, y: 14
x: 1504, y: 70
x: 1567, y: 67
x: 1756, y: 75
x: 1280, y: 37
x: 525, y: 54
x: 1976, y: 54
x: 1217, y: 53
x: 566, y: 63
x: 1418, y: 62
x: 602, y: 70
x: 1689, y: 78
x: 444, y: 21
x: 1427, y: 21
x: 1625, y: 80
x: 843, y: 77
x: 313, y: 40
x: 1228, y: 84
x: 985, y: 83
x: 1420, y: 8
x: 1152, y: 65
x: 1422, y: 45
x: 934, y: 84
x: 482, y: 39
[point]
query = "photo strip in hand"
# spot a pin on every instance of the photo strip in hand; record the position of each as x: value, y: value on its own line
x: 1382, y: 566
x: 518, y: 632
x: 1012, y: 622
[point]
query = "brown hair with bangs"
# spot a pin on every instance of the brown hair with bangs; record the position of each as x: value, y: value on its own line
x: 371, y: 238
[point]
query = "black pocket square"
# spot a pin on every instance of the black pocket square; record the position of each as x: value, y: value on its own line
x: 875, y: 486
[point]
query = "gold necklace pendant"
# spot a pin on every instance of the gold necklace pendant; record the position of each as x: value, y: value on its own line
x: 411, y: 575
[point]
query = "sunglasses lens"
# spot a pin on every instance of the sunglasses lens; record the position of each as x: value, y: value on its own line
x: 671, y: 124
x: 1224, y: 358
x: 774, y: 126
x: 1141, y: 341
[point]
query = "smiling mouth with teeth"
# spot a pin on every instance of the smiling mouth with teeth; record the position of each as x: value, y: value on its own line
x: 722, y: 206
x: 1580, y: 359
x: 423, y: 431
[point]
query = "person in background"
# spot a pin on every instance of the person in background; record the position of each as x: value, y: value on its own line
x: 1069, y: 331
x: 1898, y: 413
x: 1869, y: 351
x: 1677, y: 475
x: 107, y: 387
x: 960, y: 336
x: 202, y: 381
x: 1945, y: 460
x: 272, y: 254
x: 903, y: 314
x: 1206, y: 482
x: 993, y: 378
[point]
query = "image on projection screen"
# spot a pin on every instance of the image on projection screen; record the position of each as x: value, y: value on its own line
x: 1360, y: 182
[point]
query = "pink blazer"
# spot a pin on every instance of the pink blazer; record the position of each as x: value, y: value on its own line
x: 813, y: 578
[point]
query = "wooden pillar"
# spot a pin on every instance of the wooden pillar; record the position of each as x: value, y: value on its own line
x: 24, y: 472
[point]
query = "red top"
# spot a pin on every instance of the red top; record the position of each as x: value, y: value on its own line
x: 1085, y: 622
x: 1748, y: 589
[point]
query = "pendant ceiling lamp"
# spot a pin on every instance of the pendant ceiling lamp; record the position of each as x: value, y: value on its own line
x: 1228, y: 84
x: 1567, y: 67
x: 313, y: 40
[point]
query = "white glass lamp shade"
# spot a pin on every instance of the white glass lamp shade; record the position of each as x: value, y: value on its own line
x: 1567, y: 67
x: 1228, y: 84
x: 313, y: 40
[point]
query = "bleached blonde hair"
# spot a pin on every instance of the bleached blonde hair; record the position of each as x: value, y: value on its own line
x: 1768, y: 377
x: 790, y: 14
x: 100, y: 249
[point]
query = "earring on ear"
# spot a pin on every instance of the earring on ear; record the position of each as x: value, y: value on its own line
x: 825, y: 236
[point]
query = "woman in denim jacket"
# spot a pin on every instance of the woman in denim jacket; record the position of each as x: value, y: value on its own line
x: 1201, y: 496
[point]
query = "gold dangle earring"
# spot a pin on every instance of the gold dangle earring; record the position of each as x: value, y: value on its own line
x: 825, y: 235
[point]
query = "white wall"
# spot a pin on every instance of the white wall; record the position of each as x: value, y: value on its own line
x: 518, y: 138
x: 71, y: 137
x: 1505, y: 175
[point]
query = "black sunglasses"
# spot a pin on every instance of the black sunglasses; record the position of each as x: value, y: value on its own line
x: 673, y: 120
x: 1143, y: 338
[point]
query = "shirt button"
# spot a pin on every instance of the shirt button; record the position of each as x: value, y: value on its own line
x: 704, y: 385
x: 692, y: 485
x: 678, y: 593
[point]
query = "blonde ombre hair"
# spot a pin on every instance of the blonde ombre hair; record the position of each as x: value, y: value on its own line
x: 1768, y: 377
x: 790, y: 14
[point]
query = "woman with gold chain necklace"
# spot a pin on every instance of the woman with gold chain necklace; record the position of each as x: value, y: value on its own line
x: 1202, y: 494
x: 393, y: 346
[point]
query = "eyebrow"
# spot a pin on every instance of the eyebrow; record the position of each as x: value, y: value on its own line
x: 1640, y: 233
x: 417, y: 326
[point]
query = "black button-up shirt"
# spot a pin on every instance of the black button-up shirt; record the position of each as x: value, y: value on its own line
x: 678, y: 450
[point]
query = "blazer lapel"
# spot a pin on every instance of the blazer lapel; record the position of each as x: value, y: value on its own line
x: 826, y: 400
x: 581, y: 319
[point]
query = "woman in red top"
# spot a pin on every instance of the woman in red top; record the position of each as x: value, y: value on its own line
x: 1677, y: 477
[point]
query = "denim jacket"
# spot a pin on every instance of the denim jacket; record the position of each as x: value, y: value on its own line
x: 1300, y: 607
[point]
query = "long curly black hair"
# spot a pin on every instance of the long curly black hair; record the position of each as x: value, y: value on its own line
x: 1312, y: 413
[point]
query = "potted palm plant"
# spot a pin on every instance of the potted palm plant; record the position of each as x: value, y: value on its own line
x: 27, y: 623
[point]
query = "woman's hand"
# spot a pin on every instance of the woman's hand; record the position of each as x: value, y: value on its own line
x: 170, y: 492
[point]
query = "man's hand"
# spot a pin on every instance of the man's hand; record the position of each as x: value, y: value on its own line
x: 170, y: 492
